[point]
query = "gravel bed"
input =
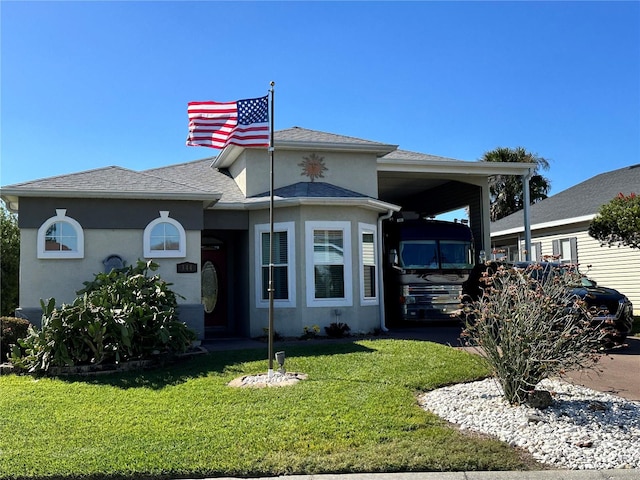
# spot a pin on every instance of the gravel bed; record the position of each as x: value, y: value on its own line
x: 582, y: 430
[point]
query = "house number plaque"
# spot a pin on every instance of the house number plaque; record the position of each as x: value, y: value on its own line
x: 187, y: 267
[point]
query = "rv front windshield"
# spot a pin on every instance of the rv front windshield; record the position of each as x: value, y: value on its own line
x: 455, y: 254
x: 432, y: 254
x: 416, y: 254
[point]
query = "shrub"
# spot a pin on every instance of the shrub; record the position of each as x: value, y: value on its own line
x: 11, y: 329
x: 310, y: 332
x: 337, y: 330
x: 9, y: 260
x: 618, y: 222
x: 531, y: 327
x: 121, y: 315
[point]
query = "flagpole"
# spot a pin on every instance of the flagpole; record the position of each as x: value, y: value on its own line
x: 271, y: 246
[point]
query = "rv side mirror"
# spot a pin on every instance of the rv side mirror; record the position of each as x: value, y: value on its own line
x: 393, y: 257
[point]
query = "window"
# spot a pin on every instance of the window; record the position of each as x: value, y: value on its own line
x: 368, y: 267
x: 566, y: 250
x: 60, y: 237
x: 536, y: 252
x: 328, y: 247
x: 164, y: 237
x: 283, y: 261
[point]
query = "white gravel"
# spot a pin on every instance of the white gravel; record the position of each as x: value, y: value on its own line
x: 582, y: 430
x: 276, y: 379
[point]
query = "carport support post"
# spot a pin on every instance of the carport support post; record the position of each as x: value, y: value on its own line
x: 525, y: 210
x: 271, y: 248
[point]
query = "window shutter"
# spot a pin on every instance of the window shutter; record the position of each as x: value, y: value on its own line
x: 280, y: 270
x: 538, y: 250
x: 574, y: 250
x: 368, y: 265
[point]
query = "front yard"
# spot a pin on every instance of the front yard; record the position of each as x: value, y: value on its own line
x: 356, y: 412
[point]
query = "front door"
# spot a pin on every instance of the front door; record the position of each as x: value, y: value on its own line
x: 214, y: 287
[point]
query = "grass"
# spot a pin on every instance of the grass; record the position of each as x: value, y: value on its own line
x: 357, y: 412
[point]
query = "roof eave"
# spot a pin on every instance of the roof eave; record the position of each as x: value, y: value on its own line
x: 458, y: 167
x: 232, y: 152
x: 264, y: 202
x: 12, y: 196
x: 540, y: 226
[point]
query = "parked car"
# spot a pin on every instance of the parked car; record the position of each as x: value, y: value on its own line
x: 609, y: 307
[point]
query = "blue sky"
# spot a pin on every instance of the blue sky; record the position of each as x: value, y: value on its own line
x: 91, y: 84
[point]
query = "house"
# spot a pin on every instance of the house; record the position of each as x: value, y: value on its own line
x: 560, y: 225
x: 207, y: 224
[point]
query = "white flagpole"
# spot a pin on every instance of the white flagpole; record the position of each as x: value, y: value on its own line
x: 271, y: 246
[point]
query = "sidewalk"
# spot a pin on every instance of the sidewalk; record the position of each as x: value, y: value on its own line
x: 527, y: 475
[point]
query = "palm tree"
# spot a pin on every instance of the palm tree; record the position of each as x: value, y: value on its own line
x: 505, y: 191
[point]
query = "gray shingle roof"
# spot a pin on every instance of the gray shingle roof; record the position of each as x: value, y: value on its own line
x: 313, y: 190
x: 298, y: 134
x: 581, y: 200
x: 191, y: 179
x: 408, y: 155
x: 200, y: 174
x: 111, y: 179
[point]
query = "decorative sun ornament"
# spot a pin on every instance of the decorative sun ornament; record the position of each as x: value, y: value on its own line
x: 313, y: 166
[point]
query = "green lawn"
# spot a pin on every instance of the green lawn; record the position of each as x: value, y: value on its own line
x: 357, y: 412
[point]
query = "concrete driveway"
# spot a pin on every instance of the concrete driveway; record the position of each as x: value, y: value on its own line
x: 620, y: 372
x: 619, y: 368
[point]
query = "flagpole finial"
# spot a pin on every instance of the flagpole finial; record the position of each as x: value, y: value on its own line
x: 272, y: 83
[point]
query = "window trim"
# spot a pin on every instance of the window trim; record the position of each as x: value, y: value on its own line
x: 310, y: 228
x: 368, y: 229
x: 60, y: 217
x: 181, y: 252
x: 259, y: 229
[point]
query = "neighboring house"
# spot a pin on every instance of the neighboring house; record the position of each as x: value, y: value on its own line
x: 560, y: 228
x: 206, y: 223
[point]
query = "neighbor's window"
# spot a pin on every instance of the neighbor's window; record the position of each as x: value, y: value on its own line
x: 368, y: 268
x: 536, y: 252
x: 566, y: 249
x: 164, y: 237
x: 283, y: 262
x: 328, y: 246
x: 60, y: 237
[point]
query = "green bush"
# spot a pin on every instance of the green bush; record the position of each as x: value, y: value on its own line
x: 531, y: 326
x: 337, y: 330
x: 618, y: 222
x: 121, y: 315
x: 11, y: 329
x: 9, y: 260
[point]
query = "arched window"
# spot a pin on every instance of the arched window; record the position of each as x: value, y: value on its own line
x: 60, y: 237
x: 164, y: 237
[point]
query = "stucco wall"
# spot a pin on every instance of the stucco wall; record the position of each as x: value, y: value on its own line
x: 291, y: 321
x: 61, y: 278
x: 354, y: 171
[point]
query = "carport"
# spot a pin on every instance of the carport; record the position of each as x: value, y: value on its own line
x: 433, y: 185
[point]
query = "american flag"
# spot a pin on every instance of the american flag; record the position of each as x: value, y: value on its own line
x: 218, y: 124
